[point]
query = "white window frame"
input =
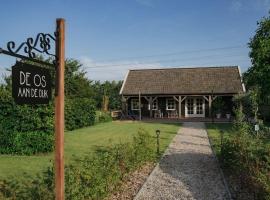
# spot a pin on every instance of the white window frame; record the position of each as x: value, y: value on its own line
x: 195, y: 108
x: 154, y: 105
x: 134, y: 102
x: 167, y: 104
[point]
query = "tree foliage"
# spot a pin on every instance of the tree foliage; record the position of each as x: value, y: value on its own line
x: 109, y: 89
x: 258, y: 75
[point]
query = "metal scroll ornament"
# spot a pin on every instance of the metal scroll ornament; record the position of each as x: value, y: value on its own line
x: 42, y: 44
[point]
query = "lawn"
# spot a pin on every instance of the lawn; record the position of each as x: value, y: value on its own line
x: 214, y: 133
x: 82, y: 142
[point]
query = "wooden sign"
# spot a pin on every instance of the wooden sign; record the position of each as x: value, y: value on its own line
x: 31, y: 84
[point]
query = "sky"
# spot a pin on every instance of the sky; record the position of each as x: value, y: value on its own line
x: 109, y: 37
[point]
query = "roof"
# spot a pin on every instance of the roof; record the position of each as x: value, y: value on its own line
x: 199, y: 80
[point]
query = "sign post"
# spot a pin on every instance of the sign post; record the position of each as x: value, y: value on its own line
x: 31, y: 84
x: 59, y: 111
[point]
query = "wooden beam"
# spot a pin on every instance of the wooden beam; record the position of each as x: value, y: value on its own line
x: 146, y: 98
x: 151, y: 106
x: 154, y: 98
x: 175, y: 98
x: 59, y: 111
x: 210, y: 106
x: 140, y: 108
x: 206, y: 98
x: 183, y: 99
x: 179, y: 106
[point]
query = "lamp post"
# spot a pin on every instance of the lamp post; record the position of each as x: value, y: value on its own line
x: 212, y: 95
x: 158, y: 133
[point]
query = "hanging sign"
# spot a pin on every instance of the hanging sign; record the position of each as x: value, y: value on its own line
x: 31, y: 84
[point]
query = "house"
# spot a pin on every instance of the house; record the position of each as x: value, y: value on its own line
x: 179, y: 92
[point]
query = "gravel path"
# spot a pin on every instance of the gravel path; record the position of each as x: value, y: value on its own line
x: 188, y: 170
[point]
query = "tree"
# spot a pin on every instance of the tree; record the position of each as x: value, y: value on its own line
x: 258, y: 75
x: 76, y: 83
x: 107, y: 90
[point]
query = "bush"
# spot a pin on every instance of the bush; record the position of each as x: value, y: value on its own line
x: 103, y: 117
x: 79, y: 112
x: 248, y: 157
x: 92, y: 177
x: 24, y: 129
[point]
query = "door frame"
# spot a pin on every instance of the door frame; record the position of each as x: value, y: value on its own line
x: 195, y: 107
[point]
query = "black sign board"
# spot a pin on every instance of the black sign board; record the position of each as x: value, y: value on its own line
x: 31, y: 84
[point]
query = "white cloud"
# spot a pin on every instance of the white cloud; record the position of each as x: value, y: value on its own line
x: 114, y: 70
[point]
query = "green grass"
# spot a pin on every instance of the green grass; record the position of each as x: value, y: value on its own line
x: 82, y: 142
x: 214, y: 133
x: 215, y: 136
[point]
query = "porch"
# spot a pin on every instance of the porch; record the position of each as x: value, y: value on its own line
x: 176, y: 107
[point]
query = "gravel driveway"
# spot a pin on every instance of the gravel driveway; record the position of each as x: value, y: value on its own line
x: 188, y: 170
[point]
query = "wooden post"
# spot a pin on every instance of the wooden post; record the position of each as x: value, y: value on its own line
x: 179, y: 106
x: 59, y: 111
x: 210, y: 106
x: 140, y: 108
x: 151, y: 106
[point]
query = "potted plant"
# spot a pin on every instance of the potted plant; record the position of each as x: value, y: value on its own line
x: 228, y: 115
x: 218, y: 104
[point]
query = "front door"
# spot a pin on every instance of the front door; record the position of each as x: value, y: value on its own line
x: 194, y: 107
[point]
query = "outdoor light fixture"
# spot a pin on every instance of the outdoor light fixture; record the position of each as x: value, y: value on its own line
x: 158, y: 133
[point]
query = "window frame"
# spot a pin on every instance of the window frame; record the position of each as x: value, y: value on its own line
x: 155, y: 101
x: 167, y: 104
x: 132, y: 102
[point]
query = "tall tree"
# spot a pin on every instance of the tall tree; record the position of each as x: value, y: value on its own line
x: 258, y: 75
x: 76, y: 83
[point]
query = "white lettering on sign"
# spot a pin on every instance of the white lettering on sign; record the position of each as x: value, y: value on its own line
x: 24, y: 78
x: 39, y: 81
x: 34, y: 93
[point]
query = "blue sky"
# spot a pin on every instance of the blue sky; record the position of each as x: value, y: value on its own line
x: 110, y: 37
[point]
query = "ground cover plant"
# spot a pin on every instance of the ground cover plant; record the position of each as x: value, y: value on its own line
x: 244, y: 157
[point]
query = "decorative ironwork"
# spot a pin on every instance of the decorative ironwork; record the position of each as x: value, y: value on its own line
x: 42, y: 44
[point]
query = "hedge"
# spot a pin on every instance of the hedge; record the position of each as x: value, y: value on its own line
x: 29, y: 129
x: 24, y: 129
x: 79, y: 112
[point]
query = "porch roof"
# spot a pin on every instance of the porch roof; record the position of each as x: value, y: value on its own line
x: 200, y: 80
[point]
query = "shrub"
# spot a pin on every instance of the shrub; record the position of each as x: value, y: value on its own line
x: 79, y: 112
x: 248, y: 157
x: 24, y: 129
x: 92, y: 177
x: 103, y: 117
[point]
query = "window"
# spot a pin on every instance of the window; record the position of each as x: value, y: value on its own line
x: 199, y: 106
x: 135, y: 104
x: 170, y: 104
x: 190, y: 106
x: 154, y: 105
